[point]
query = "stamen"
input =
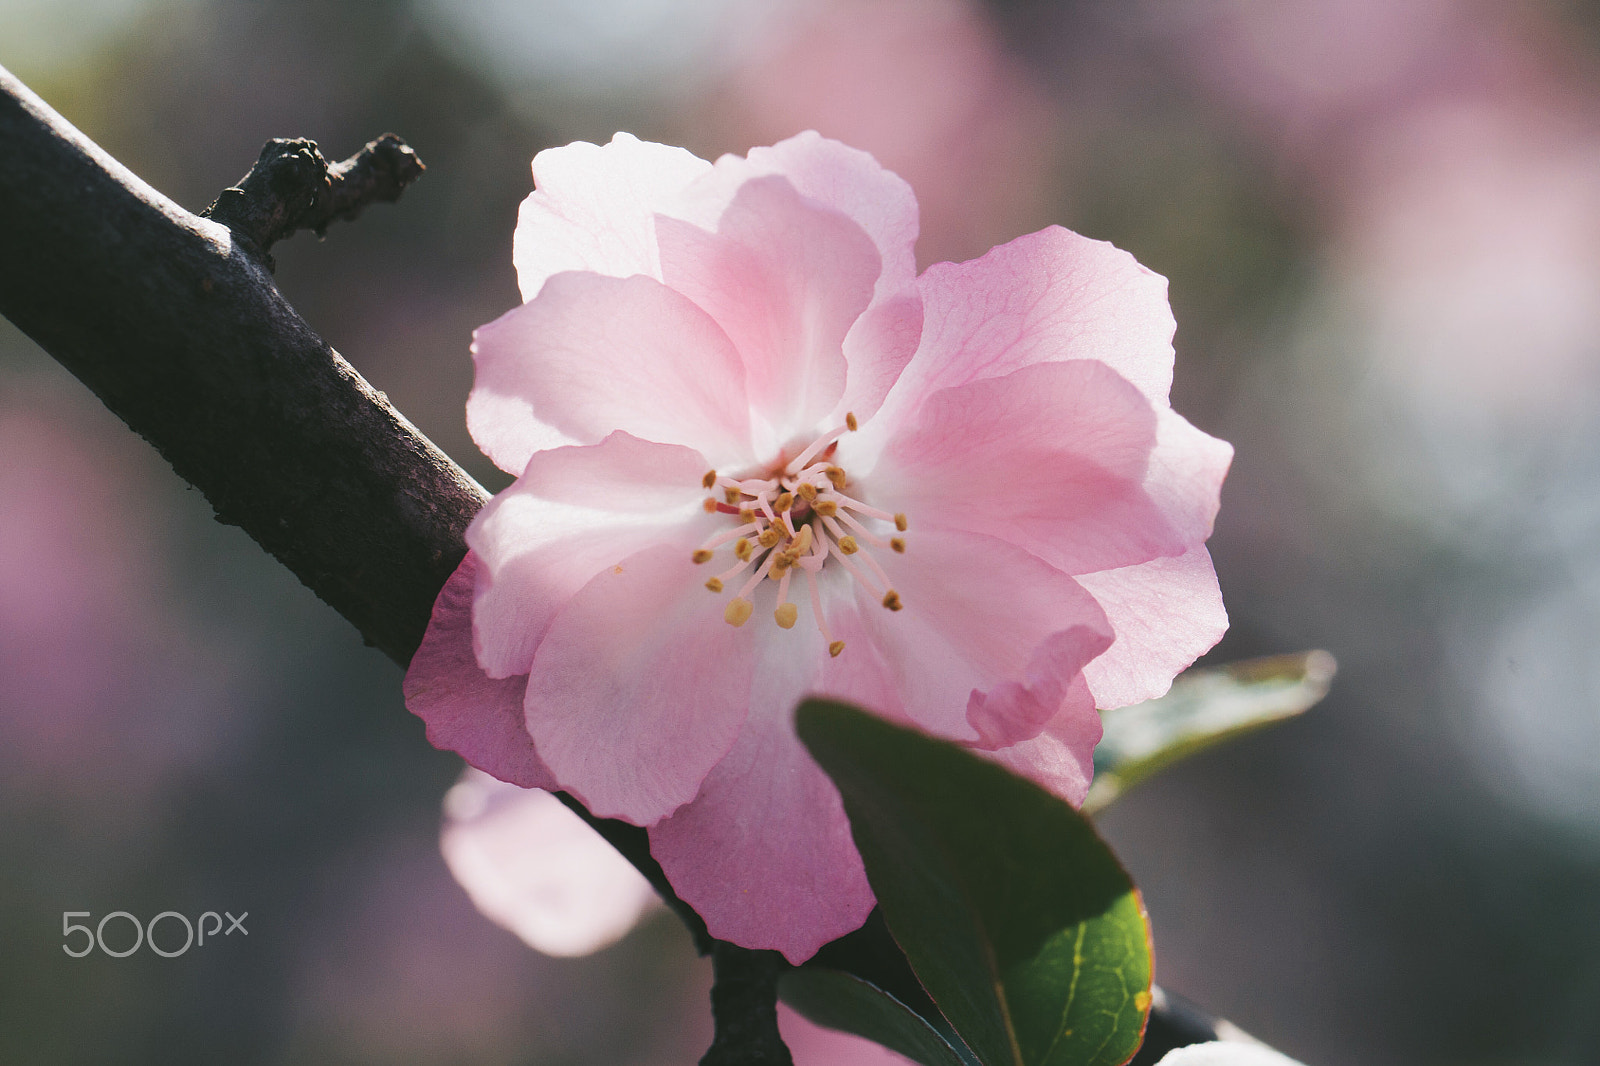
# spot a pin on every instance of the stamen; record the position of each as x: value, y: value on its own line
x: 850, y: 421
x: 786, y: 615
x: 710, y: 505
x: 898, y: 544
x: 835, y: 648
x: 900, y: 522
x: 709, y: 480
x: 836, y: 476
x: 737, y: 613
x: 714, y: 584
x: 870, y: 512
x: 826, y: 508
x: 848, y: 545
x: 701, y: 556
x: 759, y: 576
x: 784, y: 502
x: 850, y: 569
x: 732, y: 495
x: 798, y: 463
x: 862, y: 531
x: 742, y: 550
x: 769, y: 537
x: 891, y: 600
x: 807, y: 491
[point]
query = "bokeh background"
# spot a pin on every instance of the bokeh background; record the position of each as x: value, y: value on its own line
x: 1381, y: 222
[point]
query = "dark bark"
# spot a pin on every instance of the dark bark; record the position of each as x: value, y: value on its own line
x: 173, y: 320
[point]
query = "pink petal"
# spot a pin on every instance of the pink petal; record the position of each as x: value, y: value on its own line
x: 1185, y: 475
x: 532, y: 866
x: 786, y: 279
x: 764, y: 853
x: 593, y: 354
x: 594, y: 209
x: 639, y: 687
x: 1166, y: 613
x: 1061, y: 758
x: 465, y: 710
x: 1050, y: 296
x: 850, y: 181
x: 989, y: 639
x: 812, y: 1045
x: 1051, y: 457
x: 574, y: 512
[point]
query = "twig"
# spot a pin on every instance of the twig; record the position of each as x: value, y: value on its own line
x: 292, y: 187
x: 744, y: 1003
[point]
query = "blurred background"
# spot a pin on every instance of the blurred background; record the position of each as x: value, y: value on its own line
x: 1381, y: 222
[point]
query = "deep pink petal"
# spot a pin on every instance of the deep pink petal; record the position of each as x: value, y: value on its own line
x: 594, y: 209
x: 764, y: 853
x: 1050, y: 296
x: 1061, y: 758
x: 574, y: 512
x: 465, y: 710
x: 1051, y: 457
x: 593, y: 354
x: 989, y: 638
x: 786, y: 279
x: 1167, y: 613
x: 639, y: 687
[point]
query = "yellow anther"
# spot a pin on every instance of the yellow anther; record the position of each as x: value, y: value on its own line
x: 732, y: 495
x: 898, y: 544
x: 784, y: 501
x: 701, y: 556
x: 835, y: 648
x: 807, y: 491
x: 900, y: 522
x: 891, y: 600
x: 802, y: 542
x: 848, y: 546
x: 737, y: 613
x: 714, y: 584
x: 780, y: 562
x: 741, y: 548
x: 769, y: 537
x: 836, y: 475
x: 850, y: 421
x: 785, y: 615
x: 709, y: 480
x: 827, y: 508
x: 746, y: 515
x: 710, y: 505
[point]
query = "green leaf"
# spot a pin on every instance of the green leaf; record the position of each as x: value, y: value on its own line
x: 838, y: 1000
x: 1014, y: 915
x: 1203, y: 708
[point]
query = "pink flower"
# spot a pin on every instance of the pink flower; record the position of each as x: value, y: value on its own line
x: 959, y: 499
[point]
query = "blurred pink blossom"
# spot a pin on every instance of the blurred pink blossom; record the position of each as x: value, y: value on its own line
x: 959, y: 499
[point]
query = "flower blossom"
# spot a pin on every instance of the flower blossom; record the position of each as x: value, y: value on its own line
x: 759, y: 457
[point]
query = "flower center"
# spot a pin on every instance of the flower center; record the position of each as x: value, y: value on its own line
x: 796, y: 517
